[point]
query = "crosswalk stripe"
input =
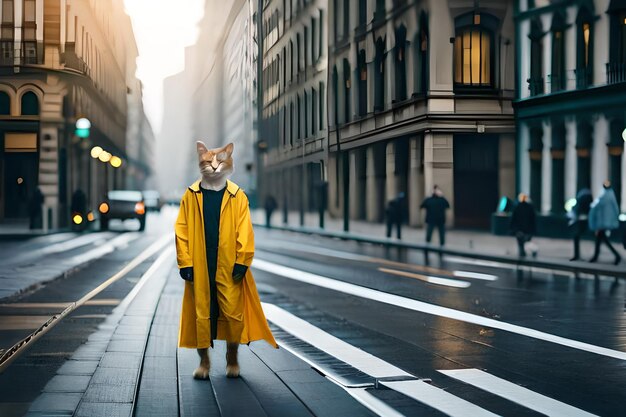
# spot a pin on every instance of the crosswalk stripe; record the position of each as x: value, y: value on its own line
x: 372, y: 365
x: 427, y: 278
x: 423, y: 307
x: 437, y: 398
x: 515, y: 393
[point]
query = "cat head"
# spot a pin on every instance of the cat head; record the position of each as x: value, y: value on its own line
x: 215, y: 163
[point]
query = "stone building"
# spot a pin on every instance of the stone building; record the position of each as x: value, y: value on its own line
x: 571, y: 101
x: 420, y: 94
x: 293, y: 127
x: 61, y: 60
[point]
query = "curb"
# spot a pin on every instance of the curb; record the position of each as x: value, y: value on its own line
x: 575, y: 267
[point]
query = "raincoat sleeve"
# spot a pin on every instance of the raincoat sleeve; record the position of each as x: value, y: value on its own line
x: 245, y: 234
x: 183, y: 257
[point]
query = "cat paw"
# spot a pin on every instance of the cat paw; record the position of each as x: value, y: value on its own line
x: 232, y: 371
x: 201, y: 372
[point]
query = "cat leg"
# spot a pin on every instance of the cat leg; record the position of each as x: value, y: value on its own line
x: 202, y: 371
x: 232, y: 365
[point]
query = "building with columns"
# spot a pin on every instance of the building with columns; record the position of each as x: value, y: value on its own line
x: 61, y: 60
x: 571, y: 101
x: 421, y: 94
x: 293, y: 82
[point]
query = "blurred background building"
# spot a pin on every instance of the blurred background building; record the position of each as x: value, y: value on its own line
x: 62, y: 60
x: 293, y: 128
x: 571, y: 102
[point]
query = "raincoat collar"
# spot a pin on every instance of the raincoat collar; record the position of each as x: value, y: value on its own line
x: 231, y: 187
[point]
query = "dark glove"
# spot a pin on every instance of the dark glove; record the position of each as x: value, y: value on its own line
x: 239, y: 271
x: 186, y: 273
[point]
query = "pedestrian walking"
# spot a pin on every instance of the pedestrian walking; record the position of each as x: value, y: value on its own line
x: 523, y: 223
x: 394, y: 214
x: 220, y: 300
x: 270, y: 205
x: 579, y: 218
x: 603, y: 218
x: 436, y: 206
x: 34, y: 209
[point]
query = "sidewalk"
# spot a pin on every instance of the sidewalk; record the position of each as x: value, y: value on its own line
x: 20, y: 229
x: 480, y: 243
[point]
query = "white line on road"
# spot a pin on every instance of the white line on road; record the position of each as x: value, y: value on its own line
x: 437, y: 398
x: 369, y: 364
x: 475, y: 275
x: 515, y: 393
x: 427, y: 278
x: 422, y: 307
x: 118, y: 242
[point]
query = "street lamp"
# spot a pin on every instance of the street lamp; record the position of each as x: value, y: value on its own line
x: 82, y: 127
x: 96, y: 151
x: 116, y: 162
x: 104, y: 157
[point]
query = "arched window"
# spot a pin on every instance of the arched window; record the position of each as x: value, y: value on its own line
x: 379, y: 76
x: 5, y: 104
x: 557, y: 75
x: 474, y: 50
x: 584, y: 46
x: 30, y: 104
x: 535, y: 82
x: 347, y: 88
x: 400, y: 63
x: 362, y: 67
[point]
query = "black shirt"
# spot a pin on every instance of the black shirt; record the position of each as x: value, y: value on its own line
x: 211, y: 207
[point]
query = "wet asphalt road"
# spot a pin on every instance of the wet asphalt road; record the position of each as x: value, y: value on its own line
x: 427, y: 343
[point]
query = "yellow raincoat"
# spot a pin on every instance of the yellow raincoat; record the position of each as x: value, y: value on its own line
x: 241, y: 317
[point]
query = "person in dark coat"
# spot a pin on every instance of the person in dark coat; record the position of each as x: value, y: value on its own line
x: 523, y: 222
x: 270, y: 206
x: 394, y: 214
x: 436, y: 206
x: 579, y: 216
x: 34, y: 209
x: 603, y: 218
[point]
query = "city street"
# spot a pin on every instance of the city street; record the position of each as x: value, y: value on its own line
x: 362, y: 330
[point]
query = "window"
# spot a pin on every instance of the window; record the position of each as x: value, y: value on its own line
x: 5, y: 104
x: 335, y: 93
x: 30, y: 104
x: 336, y: 19
x: 557, y: 76
x: 298, y: 120
x: 305, y: 117
x: 306, y: 47
x: 347, y: 84
x: 346, y: 18
x: 298, y: 53
x: 380, y: 10
x: 321, y: 37
x: 321, y: 102
x: 535, y: 82
x: 6, y: 42
x: 314, y: 109
x: 313, y: 43
x: 472, y: 57
x: 616, y: 68
x: 291, y: 125
x: 379, y: 76
x: 420, y: 57
x: 293, y: 59
x: 362, y: 68
x: 362, y: 13
x: 473, y: 50
x: 584, y: 55
x: 400, y: 63
x: 29, y: 30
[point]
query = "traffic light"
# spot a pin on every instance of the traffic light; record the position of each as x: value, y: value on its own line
x: 82, y: 127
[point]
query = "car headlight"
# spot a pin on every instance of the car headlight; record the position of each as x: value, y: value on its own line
x: 140, y: 208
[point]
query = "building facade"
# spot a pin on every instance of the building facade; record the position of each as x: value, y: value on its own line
x: 420, y: 95
x: 571, y: 101
x: 293, y: 128
x: 61, y: 60
x: 222, y: 69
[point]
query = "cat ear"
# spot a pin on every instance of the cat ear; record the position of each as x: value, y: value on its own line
x: 201, y: 147
x: 229, y: 148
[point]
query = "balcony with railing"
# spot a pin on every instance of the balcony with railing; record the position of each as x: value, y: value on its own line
x: 615, y: 72
x: 535, y: 85
x: 583, y: 77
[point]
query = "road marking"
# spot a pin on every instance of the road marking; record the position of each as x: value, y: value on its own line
x: 426, y: 278
x: 422, y: 307
x: 364, y: 258
x: 369, y: 401
x: 118, y: 242
x: 437, y: 398
x: 517, y: 394
x: 35, y: 305
x: 369, y: 364
x: 22, y: 322
x: 332, y: 345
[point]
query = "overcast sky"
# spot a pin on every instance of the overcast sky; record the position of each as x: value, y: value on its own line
x: 162, y: 29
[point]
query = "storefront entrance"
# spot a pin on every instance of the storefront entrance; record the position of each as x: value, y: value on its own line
x: 19, y: 174
x: 475, y: 180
